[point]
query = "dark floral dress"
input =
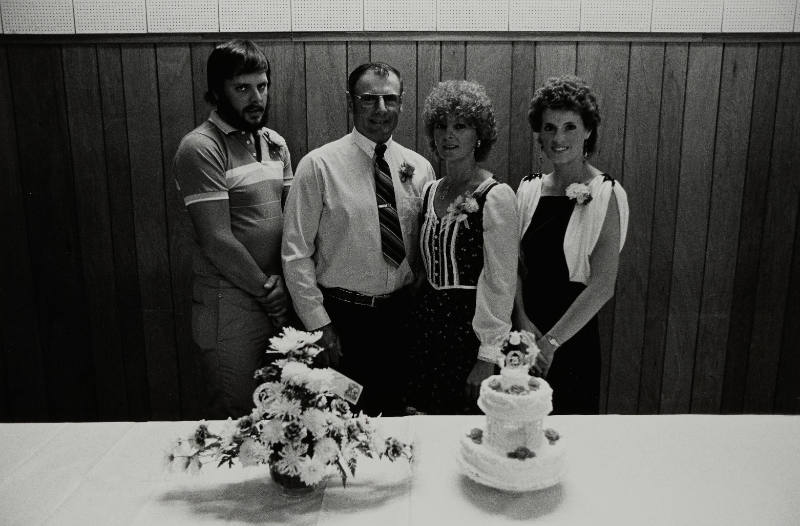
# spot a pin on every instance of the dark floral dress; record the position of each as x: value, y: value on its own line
x: 444, y: 344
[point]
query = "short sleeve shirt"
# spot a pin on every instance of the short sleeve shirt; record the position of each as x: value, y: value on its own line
x: 216, y: 161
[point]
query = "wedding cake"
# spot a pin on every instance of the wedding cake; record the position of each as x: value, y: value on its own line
x: 514, y: 452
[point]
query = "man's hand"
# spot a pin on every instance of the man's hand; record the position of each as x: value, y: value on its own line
x: 332, y: 351
x: 275, y: 302
x: 480, y: 371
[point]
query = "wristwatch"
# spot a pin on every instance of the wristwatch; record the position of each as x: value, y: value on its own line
x: 552, y: 341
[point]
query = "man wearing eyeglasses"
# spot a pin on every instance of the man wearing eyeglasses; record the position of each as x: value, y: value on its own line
x: 350, y: 240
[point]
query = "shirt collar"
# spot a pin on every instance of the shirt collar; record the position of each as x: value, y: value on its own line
x: 220, y: 123
x: 367, y: 145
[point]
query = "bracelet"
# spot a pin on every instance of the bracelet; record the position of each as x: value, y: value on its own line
x: 552, y: 341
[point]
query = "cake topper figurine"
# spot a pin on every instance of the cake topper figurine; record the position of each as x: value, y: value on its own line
x: 519, y: 351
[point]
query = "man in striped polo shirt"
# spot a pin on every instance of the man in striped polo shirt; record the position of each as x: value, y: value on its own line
x: 233, y: 173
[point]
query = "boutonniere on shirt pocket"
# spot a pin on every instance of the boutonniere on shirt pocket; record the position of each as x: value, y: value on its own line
x: 406, y: 172
x: 461, y: 207
x: 579, y: 193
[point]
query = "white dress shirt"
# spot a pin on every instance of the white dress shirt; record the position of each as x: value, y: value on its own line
x: 331, y: 234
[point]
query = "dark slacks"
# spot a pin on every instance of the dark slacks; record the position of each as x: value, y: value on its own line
x: 375, y: 349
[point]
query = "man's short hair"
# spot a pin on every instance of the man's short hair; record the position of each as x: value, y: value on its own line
x: 381, y: 68
x: 235, y: 57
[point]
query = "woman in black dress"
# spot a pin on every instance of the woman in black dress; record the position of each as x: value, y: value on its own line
x: 572, y: 227
x: 469, y: 251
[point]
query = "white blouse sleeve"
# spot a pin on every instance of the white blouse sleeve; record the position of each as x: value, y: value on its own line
x: 498, y: 279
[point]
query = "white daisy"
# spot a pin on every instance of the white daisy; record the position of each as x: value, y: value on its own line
x: 252, y: 452
x: 282, y: 407
x: 292, y: 339
x: 311, y: 471
x: 271, y: 431
x: 295, y: 373
x: 319, y: 380
x: 289, y: 460
x: 326, y: 450
x: 315, y: 420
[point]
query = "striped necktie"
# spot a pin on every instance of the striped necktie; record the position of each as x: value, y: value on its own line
x: 394, y: 251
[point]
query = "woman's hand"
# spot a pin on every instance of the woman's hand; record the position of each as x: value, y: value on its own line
x: 523, y: 323
x: 545, y: 357
x: 480, y: 371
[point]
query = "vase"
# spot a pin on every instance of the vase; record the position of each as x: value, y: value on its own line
x: 291, y: 485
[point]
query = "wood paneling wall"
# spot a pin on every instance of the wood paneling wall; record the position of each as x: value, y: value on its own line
x: 95, y: 275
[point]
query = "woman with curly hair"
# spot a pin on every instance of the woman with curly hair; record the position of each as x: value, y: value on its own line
x: 469, y: 246
x: 572, y: 227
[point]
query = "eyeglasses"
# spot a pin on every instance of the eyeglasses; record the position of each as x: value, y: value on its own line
x: 369, y: 100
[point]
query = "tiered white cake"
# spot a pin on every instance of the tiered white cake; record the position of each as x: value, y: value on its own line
x: 514, y: 452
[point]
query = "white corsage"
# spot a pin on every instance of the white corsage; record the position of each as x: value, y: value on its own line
x: 580, y: 193
x: 458, y: 209
x: 406, y: 172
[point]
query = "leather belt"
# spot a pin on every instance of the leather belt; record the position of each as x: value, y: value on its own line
x: 349, y: 296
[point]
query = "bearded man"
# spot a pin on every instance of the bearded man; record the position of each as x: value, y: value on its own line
x: 233, y: 174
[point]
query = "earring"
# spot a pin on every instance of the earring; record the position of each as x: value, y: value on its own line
x: 478, y: 144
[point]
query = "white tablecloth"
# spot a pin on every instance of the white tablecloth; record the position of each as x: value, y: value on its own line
x: 622, y: 470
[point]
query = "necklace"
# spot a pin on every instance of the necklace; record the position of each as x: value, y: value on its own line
x: 444, y: 190
x: 447, y: 187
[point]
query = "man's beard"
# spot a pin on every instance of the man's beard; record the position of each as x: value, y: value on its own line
x: 235, y: 119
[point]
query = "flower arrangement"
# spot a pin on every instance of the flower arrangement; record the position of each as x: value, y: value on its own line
x: 406, y: 172
x: 580, y: 193
x: 462, y: 205
x: 299, y: 425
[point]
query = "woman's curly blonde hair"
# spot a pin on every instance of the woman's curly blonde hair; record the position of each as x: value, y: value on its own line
x: 465, y: 99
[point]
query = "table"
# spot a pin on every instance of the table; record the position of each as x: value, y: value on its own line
x: 622, y: 470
